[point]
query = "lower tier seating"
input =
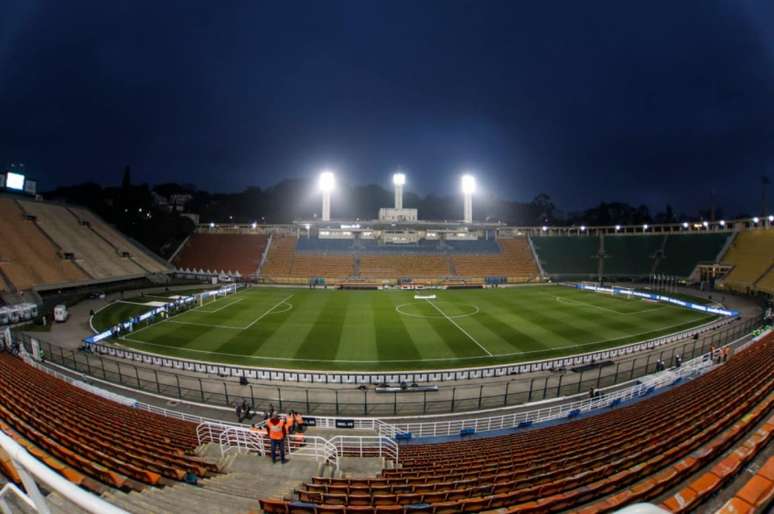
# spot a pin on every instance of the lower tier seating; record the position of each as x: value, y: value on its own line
x: 394, y: 266
x: 515, y: 261
x: 756, y: 495
x: 95, y: 442
x: 596, y: 464
x: 222, y: 252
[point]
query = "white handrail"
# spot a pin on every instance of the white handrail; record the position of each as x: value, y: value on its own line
x: 689, y: 369
x: 31, y: 469
x: 245, y: 439
x: 366, y: 446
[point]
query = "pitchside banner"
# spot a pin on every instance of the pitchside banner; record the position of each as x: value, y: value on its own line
x: 659, y: 298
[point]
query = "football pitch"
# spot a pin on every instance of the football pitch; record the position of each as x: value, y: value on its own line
x: 391, y: 330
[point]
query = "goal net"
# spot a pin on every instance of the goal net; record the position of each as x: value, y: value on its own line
x: 214, y: 295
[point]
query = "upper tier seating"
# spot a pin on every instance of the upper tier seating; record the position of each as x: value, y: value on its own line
x: 396, y: 266
x: 567, y: 255
x: 631, y: 255
x: 95, y: 255
x: 92, y: 441
x: 515, y: 262
x: 336, y: 259
x: 27, y: 257
x: 683, y: 252
x: 223, y: 252
x: 326, y: 266
x: 119, y: 242
x: 280, y: 257
x: 373, y: 247
x: 630, y: 454
x: 752, y: 255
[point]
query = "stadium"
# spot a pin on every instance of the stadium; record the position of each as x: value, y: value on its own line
x: 403, y: 342
x: 265, y: 313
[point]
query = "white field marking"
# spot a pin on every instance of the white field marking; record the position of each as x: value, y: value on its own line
x: 562, y: 299
x: 222, y: 307
x: 459, y: 327
x: 422, y: 316
x: 144, y: 304
x: 228, y: 327
x: 431, y: 359
x: 173, y: 316
x: 259, y: 318
x: 203, y: 324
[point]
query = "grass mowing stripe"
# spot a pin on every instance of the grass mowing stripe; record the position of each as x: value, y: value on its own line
x: 459, y: 327
x: 322, y: 342
x: 372, y: 336
x: 393, y: 337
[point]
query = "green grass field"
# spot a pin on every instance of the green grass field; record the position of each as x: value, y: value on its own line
x: 390, y: 330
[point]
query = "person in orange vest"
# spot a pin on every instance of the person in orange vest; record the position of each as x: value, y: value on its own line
x: 277, y: 430
x: 290, y: 422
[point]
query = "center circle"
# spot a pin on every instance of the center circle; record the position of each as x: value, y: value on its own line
x: 444, y: 310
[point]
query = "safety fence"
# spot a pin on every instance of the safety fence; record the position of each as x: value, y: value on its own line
x: 366, y: 401
x: 31, y: 471
x: 239, y: 439
x: 231, y: 438
x: 524, y: 419
x: 419, y: 377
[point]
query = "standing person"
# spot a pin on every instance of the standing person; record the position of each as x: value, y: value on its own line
x: 290, y: 422
x: 245, y: 410
x: 239, y: 413
x: 277, y: 431
x: 299, y: 419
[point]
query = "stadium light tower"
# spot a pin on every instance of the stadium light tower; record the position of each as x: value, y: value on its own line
x: 399, y: 180
x: 468, y: 188
x: 327, y: 181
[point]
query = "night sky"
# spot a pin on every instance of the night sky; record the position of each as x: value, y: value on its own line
x: 646, y: 102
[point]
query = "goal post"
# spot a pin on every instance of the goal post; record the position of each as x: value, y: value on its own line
x: 216, y: 294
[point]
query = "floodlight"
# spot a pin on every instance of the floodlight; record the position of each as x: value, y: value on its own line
x: 771, y: 218
x: 399, y: 179
x: 212, y: 225
x: 705, y: 224
x: 583, y: 228
x: 468, y: 184
x: 722, y: 223
x: 545, y: 228
x: 756, y: 219
x: 617, y: 228
x: 327, y: 181
x: 255, y: 224
x: 645, y: 226
x: 685, y: 224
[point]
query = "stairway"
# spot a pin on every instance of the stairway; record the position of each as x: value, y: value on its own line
x: 249, y: 477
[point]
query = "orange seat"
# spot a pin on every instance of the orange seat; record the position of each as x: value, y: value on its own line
x: 758, y: 491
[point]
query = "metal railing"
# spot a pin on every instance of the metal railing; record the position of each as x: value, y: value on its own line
x: 188, y: 385
x: 31, y: 470
x: 246, y: 440
x: 131, y: 402
x: 366, y: 446
x: 687, y: 371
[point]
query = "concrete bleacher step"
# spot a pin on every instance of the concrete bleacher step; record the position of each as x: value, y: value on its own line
x: 59, y: 505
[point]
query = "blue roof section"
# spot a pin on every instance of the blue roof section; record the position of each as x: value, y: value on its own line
x: 373, y: 247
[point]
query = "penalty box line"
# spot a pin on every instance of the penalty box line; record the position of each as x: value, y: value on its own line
x: 459, y: 327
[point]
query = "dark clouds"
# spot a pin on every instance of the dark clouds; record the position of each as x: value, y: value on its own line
x: 646, y: 102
